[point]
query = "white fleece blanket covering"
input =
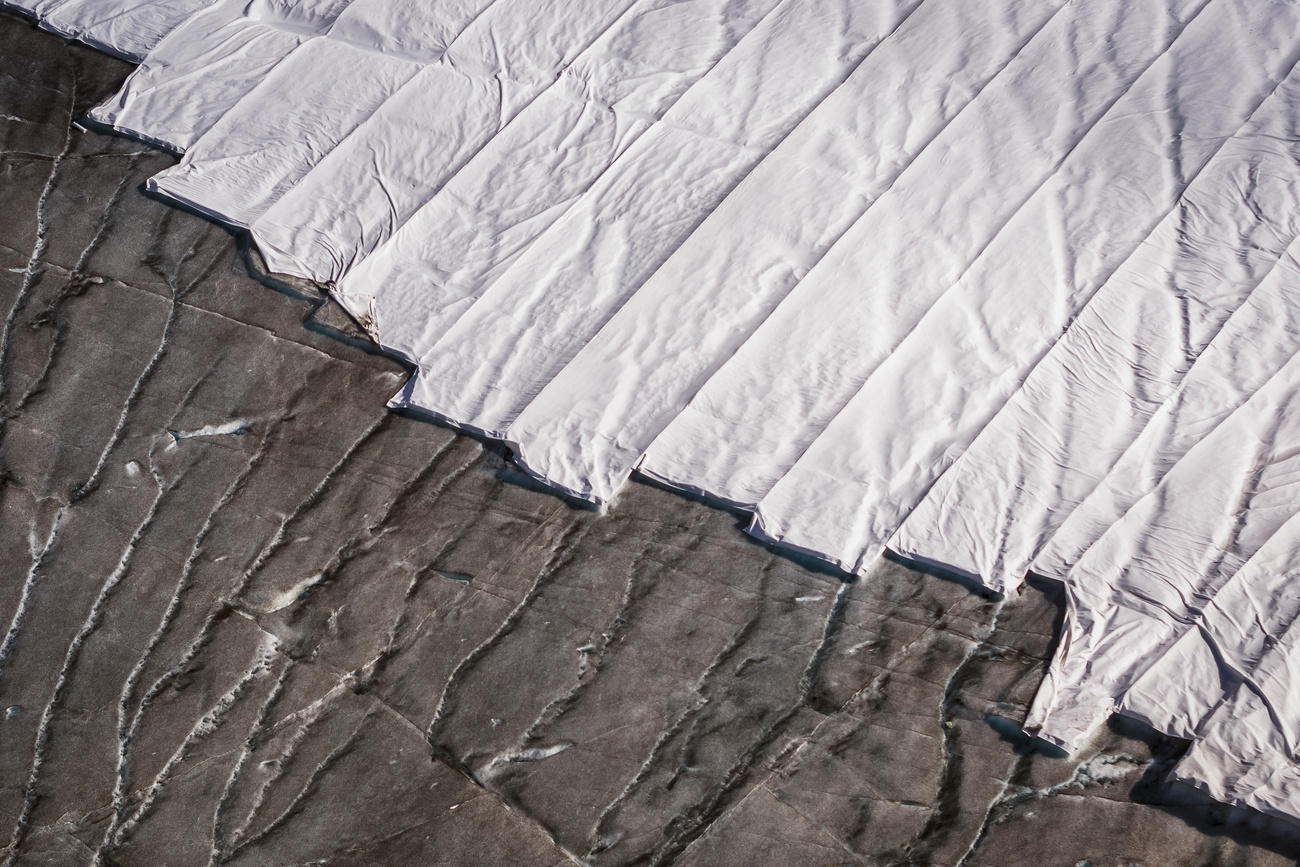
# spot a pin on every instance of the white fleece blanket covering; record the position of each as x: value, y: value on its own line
x: 1000, y: 285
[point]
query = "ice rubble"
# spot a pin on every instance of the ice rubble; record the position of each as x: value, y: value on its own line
x: 999, y: 284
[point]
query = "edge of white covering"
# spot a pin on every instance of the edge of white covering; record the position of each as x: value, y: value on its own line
x: 97, y: 44
x: 44, y: 24
x: 189, y: 204
x: 402, y: 401
x: 88, y: 119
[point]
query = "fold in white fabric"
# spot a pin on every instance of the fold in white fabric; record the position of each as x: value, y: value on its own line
x: 999, y: 284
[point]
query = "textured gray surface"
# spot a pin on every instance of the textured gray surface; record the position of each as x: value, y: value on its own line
x: 252, y: 616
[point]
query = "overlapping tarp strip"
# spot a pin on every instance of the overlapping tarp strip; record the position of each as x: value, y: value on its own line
x: 993, y: 512
x: 770, y: 402
x: 961, y: 356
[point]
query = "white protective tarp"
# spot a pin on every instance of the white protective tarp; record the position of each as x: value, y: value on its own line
x: 207, y: 64
x: 127, y: 28
x: 949, y: 360
x: 1003, y: 285
x: 1121, y: 360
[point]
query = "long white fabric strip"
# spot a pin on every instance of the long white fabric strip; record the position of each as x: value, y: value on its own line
x: 419, y: 281
x: 1257, y: 341
x: 373, y: 52
x: 550, y: 303
x: 365, y: 189
x: 1245, y: 753
x: 1152, y: 573
x: 1228, y: 637
x: 242, y: 164
x: 764, y: 408
x: 994, y: 510
x: 586, y: 432
x: 203, y: 68
x: 127, y: 28
x: 950, y: 365
x: 1254, y: 342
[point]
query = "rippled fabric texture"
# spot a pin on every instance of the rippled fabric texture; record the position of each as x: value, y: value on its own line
x: 1001, y: 285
